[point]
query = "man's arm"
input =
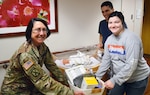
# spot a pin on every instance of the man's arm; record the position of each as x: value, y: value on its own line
x: 100, y: 44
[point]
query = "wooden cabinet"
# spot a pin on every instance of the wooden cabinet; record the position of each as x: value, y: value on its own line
x: 147, y: 57
x: 146, y: 27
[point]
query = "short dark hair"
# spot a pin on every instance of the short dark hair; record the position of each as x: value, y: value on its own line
x: 120, y: 16
x: 107, y: 3
x: 30, y: 26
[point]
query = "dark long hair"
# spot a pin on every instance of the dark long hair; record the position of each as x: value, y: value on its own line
x: 30, y: 26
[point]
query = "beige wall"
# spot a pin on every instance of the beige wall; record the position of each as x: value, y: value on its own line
x: 78, y: 22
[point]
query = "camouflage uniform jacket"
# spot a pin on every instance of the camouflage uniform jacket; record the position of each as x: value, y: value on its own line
x: 25, y: 75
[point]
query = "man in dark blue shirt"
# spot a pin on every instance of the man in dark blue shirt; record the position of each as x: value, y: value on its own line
x: 107, y: 9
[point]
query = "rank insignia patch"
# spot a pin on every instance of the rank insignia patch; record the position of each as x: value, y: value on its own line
x: 35, y: 72
x: 28, y: 64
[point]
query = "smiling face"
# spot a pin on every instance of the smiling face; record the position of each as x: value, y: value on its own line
x: 106, y: 11
x: 39, y: 33
x: 115, y: 25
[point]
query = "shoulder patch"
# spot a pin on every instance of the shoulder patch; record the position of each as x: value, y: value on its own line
x: 35, y: 73
x: 28, y: 64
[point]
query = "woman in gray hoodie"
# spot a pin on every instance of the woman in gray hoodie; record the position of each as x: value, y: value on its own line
x: 123, y: 51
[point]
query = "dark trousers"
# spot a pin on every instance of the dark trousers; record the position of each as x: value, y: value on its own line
x: 134, y: 88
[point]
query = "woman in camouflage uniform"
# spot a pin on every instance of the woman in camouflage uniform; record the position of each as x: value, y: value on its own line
x: 25, y: 75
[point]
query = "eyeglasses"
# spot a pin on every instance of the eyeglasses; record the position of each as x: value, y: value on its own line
x: 38, y: 30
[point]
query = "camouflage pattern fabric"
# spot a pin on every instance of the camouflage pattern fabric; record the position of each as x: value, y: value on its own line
x: 25, y: 75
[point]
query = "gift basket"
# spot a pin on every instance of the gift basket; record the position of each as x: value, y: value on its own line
x: 79, y: 79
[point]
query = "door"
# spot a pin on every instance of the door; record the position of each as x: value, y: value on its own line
x: 146, y: 27
x: 128, y: 10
